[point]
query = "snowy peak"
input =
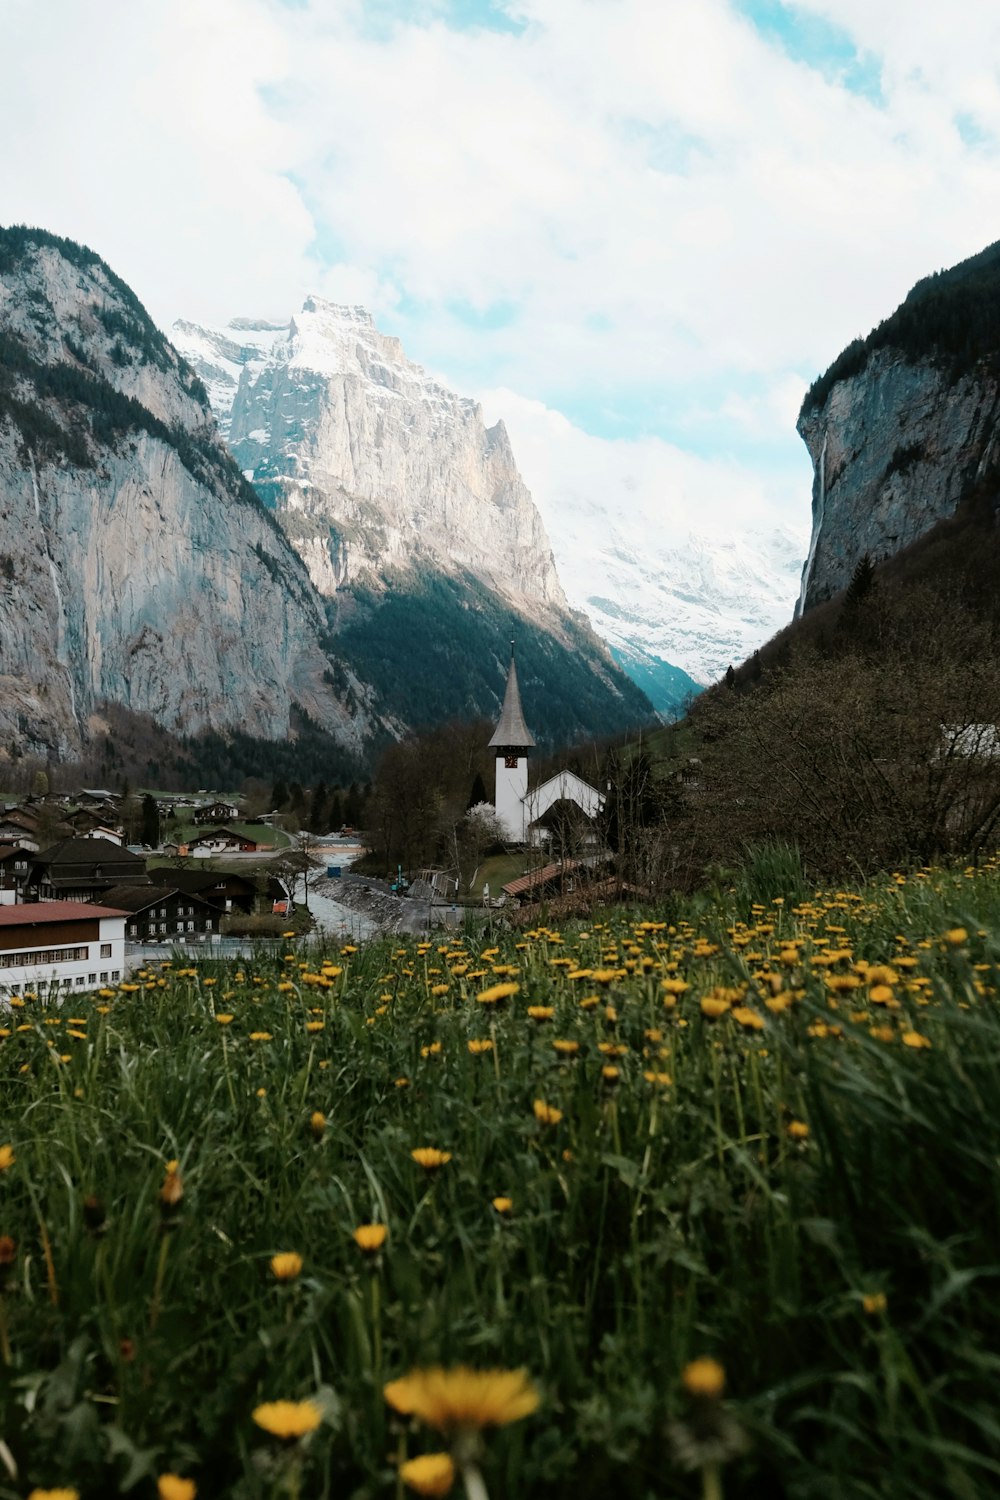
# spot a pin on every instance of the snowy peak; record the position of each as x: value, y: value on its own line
x: 371, y: 464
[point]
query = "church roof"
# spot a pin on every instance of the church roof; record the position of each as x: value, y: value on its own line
x: 512, y: 730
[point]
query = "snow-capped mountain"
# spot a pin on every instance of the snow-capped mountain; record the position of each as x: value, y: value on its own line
x: 410, y: 516
x: 369, y: 462
x: 697, y: 603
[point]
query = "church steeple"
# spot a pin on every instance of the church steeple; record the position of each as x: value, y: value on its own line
x: 512, y: 739
x: 512, y: 733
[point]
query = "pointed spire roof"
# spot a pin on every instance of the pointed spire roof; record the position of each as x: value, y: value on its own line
x: 512, y: 732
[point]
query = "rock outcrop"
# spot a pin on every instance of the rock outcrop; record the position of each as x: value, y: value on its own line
x: 137, y: 567
x: 903, y: 426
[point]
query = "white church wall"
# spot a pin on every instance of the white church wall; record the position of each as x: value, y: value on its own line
x: 511, y: 789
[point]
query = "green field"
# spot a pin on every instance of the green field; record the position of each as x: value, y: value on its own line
x: 763, y: 1133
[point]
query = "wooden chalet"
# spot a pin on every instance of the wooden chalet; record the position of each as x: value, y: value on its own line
x: 82, y: 869
x: 162, y: 914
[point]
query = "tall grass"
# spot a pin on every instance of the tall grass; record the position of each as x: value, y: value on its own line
x: 794, y: 1171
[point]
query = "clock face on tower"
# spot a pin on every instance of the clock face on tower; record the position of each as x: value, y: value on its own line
x: 510, y: 762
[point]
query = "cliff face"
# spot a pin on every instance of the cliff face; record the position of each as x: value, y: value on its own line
x: 136, y: 566
x: 894, y: 450
x: 412, y: 520
x: 370, y: 464
x: 904, y: 424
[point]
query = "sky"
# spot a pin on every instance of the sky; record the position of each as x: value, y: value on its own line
x: 643, y: 224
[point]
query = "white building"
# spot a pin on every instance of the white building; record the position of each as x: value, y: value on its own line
x: 518, y: 809
x: 64, y: 944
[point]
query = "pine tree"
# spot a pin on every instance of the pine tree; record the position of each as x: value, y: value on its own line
x: 150, y: 833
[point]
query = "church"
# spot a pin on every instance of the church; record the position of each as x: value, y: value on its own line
x: 527, y: 816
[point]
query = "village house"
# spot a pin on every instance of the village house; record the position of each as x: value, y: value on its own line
x: 162, y: 913
x: 226, y: 890
x: 18, y: 826
x: 82, y: 870
x: 220, y: 841
x: 62, y: 944
x: 215, y: 812
x: 14, y: 863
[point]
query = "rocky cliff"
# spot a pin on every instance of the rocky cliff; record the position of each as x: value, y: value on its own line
x: 903, y: 426
x: 370, y: 464
x: 408, y: 511
x: 137, y: 567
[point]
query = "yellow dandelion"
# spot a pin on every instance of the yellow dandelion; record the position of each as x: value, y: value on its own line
x: 288, y: 1419
x: 370, y: 1237
x: 479, y: 1044
x: 430, y: 1158
x: 956, y: 936
x: 261, y: 1036
x: 874, y: 1303
x: 315, y: 1025
x: 565, y: 1047
x: 704, y: 1378
x: 286, y: 1265
x: 798, y: 1130
x: 224, y: 1020
x: 546, y: 1114
x: 541, y: 1012
x: 430, y: 1474
x: 7, y: 1157
x: 317, y: 1123
x: 173, y: 1487
x: 503, y: 1205
x: 497, y: 993
x: 915, y: 1039
x: 462, y: 1398
x: 172, y: 1190
x: 60, y: 1494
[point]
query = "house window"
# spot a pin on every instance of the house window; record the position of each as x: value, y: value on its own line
x: 78, y: 981
x: 91, y: 978
x: 163, y: 912
x: 105, y: 950
x: 104, y: 977
x: 190, y: 927
x: 180, y: 926
x: 132, y: 932
x: 163, y: 926
x: 15, y: 989
x: 115, y: 975
x: 208, y: 925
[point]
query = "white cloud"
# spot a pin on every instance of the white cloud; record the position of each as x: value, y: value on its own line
x: 641, y: 210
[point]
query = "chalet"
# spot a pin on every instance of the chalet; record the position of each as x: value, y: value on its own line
x: 215, y: 812
x: 60, y: 943
x: 86, y: 822
x: 82, y: 869
x: 226, y: 890
x: 221, y: 841
x: 19, y: 826
x: 162, y: 913
x: 14, y: 862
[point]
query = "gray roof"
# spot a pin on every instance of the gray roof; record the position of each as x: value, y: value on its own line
x: 512, y: 731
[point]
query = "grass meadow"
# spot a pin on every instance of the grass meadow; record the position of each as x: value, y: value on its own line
x: 723, y: 1181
